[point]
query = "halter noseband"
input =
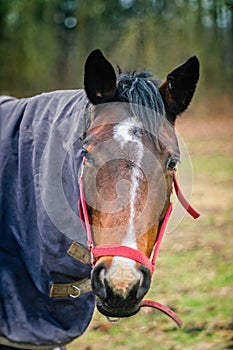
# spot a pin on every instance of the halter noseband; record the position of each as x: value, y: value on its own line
x: 131, y: 253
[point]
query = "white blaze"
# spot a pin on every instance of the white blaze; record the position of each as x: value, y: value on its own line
x: 124, y: 134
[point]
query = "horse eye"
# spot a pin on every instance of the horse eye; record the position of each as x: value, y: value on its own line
x: 172, y: 163
x: 89, y: 159
x: 84, y: 151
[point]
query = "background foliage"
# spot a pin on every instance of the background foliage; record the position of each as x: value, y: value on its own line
x: 44, y: 43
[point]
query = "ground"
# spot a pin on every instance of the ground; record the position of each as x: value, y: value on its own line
x: 194, y: 269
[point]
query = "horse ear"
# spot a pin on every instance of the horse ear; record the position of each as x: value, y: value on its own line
x: 99, y: 78
x: 177, y: 91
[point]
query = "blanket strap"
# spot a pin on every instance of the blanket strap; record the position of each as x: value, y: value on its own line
x: 73, y: 290
x: 78, y: 252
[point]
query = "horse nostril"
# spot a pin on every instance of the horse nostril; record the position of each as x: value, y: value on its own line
x: 98, y: 281
x: 144, y: 283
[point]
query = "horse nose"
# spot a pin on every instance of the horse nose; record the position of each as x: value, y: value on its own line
x: 104, y: 287
x: 120, y: 294
x: 144, y: 282
x: 98, y: 281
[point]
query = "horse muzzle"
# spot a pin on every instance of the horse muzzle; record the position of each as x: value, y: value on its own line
x: 114, y: 302
x: 116, y: 312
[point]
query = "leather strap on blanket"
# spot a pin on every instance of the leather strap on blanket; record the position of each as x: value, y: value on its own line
x: 78, y: 252
x: 73, y: 290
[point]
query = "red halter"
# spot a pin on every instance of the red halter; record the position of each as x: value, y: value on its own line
x: 131, y: 253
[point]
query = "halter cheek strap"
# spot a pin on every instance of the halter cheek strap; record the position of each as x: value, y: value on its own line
x: 131, y: 253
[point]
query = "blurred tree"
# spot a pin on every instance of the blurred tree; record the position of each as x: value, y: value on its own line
x: 44, y: 43
x: 65, y: 29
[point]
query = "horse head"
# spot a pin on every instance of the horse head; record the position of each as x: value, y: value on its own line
x: 131, y: 154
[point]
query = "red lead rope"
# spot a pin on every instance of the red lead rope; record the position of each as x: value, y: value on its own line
x: 131, y: 253
x: 182, y: 200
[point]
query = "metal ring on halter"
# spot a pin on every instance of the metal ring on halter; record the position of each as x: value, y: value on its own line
x: 112, y: 319
x: 77, y: 291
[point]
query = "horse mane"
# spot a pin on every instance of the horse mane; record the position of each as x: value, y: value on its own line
x: 140, y: 91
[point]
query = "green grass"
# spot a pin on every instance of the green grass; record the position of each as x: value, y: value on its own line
x: 194, y: 269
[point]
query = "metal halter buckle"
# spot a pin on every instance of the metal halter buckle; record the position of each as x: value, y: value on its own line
x: 77, y: 292
x: 113, y: 319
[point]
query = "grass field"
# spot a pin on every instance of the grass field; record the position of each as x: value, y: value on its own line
x: 194, y: 269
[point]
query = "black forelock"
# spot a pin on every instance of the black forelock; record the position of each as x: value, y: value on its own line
x: 140, y: 91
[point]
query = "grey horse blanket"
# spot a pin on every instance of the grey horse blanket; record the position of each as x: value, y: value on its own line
x: 40, y: 156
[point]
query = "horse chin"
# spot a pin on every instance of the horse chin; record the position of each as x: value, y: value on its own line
x: 118, y: 312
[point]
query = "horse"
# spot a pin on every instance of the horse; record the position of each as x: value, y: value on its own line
x: 86, y: 181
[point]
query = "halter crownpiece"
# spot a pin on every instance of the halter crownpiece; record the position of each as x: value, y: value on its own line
x: 131, y: 253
